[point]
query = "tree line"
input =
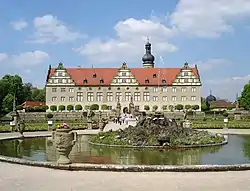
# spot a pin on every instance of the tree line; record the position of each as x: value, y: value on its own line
x: 13, y: 86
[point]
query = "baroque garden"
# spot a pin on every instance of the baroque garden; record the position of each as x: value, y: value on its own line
x: 122, y: 119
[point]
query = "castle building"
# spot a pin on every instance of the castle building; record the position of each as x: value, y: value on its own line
x: 146, y: 86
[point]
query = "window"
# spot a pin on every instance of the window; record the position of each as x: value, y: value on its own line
x: 185, y: 80
x: 146, y: 96
x: 99, y: 96
x: 123, y: 73
x: 71, y: 99
x: 164, y: 98
x: 53, y: 89
x: 154, y: 75
x: 137, y: 108
x: 193, y: 98
x: 155, y: 89
x: 54, y: 99
x: 123, y: 80
x: 185, y: 73
x: 193, y: 89
x: 71, y: 90
x: 127, y: 96
x: 118, y: 96
x: 90, y: 96
x: 94, y: 75
x: 164, y: 89
x: 137, y: 96
x: 62, y: 98
x: 109, y: 107
x: 110, y: 96
x: 174, y: 89
x: 183, y: 98
x: 63, y: 89
x: 174, y: 98
x: 60, y: 81
x: 183, y: 89
x: 155, y: 98
x: 79, y: 96
x: 59, y: 74
x: 164, y: 81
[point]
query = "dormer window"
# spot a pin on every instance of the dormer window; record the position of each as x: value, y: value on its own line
x: 164, y: 81
x: 94, y: 75
x: 85, y: 81
x: 147, y: 81
x: 154, y: 75
x: 101, y: 81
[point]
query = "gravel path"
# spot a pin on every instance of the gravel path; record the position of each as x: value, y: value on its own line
x: 24, y: 178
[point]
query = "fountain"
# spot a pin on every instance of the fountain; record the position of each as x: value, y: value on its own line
x: 158, y: 131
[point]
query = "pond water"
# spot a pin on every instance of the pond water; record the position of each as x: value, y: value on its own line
x: 237, y: 151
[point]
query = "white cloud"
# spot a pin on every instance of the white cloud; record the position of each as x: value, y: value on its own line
x: 3, y: 56
x: 19, y: 25
x: 26, y: 59
x: 208, y: 18
x: 211, y: 64
x: 129, y: 43
x: 48, y: 29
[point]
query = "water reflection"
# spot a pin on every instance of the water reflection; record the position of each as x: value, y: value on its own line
x: 42, y: 149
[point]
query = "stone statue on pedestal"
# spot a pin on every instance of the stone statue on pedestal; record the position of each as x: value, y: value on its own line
x: 118, y: 108
x: 132, y: 107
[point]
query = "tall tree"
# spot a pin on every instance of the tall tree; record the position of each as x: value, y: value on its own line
x: 244, y: 100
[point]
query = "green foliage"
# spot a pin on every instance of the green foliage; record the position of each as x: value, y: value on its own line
x: 8, y: 102
x: 164, y: 107
x: 78, y: 107
x: 44, y: 108
x: 171, y: 108
x: 179, y: 107
x: 188, y: 107
x: 195, y: 107
x: 94, y: 107
x: 225, y: 114
x: 229, y: 108
x: 204, y: 108
x: 155, y: 107
x: 70, y: 107
x: 11, y: 85
x: 146, y: 107
x: 244, y: 100
x: 104, y: 107
x: 50, y: 115
x: 61, y: 108
x: 53, y: 107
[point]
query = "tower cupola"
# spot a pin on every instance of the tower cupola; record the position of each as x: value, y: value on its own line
x: 148, y: 59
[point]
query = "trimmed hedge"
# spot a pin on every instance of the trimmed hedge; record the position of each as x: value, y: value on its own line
x: 29, y: 127
x: 220, y: 125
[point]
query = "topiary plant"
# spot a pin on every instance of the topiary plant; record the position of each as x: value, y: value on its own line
x: 50, y: 115
x: 53, y: 107
x: 78, y: 107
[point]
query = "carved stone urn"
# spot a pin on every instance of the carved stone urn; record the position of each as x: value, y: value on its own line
x: 64, y: 140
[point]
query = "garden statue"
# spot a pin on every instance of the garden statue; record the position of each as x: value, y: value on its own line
x: 132, y: 107
x: 64, y: 139
x: 21, y: 127
x: 102, y: 123
x: 186, y: 122
x: 118, y: 108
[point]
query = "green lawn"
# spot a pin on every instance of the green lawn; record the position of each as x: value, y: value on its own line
x: 219, y: 124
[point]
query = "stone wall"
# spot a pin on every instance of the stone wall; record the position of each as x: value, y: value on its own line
x: 57, y: 116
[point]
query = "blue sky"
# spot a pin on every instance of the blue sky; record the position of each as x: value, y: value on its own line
x: 213, y: 34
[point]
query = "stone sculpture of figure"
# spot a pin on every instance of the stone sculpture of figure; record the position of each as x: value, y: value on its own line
x: 132, y: 107
x: 184, y: 114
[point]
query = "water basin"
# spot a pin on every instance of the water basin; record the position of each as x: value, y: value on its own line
x: 237, y: 151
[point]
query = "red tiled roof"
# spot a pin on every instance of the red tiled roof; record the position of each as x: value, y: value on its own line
x: 107, y: 74
x: 223, y: 104
x: 33, y: 103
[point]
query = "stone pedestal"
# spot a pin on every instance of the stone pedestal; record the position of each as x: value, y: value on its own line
x: 64, y: 141
x: 187, y: 124
x: 131, y: 121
